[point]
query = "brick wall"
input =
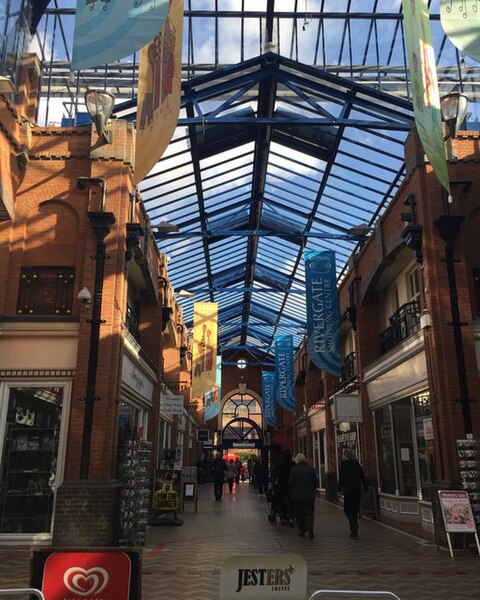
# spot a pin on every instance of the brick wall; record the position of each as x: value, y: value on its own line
x: 86, y: 514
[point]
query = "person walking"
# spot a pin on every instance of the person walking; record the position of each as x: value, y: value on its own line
x: 350, y: 481
x: 218, y: 473
x: 303, y: 487
x: 281, y: 477
x: 231, y: 474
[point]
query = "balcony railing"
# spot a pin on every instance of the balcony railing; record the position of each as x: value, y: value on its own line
x: 132, y: 322
x: 403, y: 322
x: 349, y: 369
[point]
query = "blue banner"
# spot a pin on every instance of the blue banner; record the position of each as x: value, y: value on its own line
x: 268, y: 398
x: 284, y: 376
x: 107, y: 30
x: 211, y: 403
x: 322, y: 311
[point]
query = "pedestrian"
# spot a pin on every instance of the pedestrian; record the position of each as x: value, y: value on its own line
x: 350, y: 481
x: 303, y: 487
x: 218, y: 473
x: 281, y: 477
x: 238, y: 464
x: 231, y: 474
x: 261, y: 475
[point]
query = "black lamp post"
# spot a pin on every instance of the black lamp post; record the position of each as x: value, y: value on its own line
x: 100, y: 222
x: 454, y: 109
x: 448, y: 227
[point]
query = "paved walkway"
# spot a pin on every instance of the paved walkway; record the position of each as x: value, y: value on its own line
x: 183, y: 563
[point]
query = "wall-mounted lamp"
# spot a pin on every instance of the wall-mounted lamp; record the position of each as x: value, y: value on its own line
x: 100, y: 104
x: 7, y: 86
x: 454, y: 110
x: 166, y: 227
x: 362, y: 230
x: 184, y: 294
x: 85, y: 298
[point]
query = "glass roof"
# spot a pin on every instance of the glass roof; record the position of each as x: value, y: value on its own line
x: 291, y: 132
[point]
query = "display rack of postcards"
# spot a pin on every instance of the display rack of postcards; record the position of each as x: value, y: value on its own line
x: 469, y: 462
x: 135, y: 495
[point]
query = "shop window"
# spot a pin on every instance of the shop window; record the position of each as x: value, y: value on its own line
x: 425, y: 443
x: 128, y: 423
x: 46, y: 291
x: 386, y: 457
x: 29, y: 459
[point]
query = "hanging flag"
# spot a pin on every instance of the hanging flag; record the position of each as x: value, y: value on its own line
x: 159, y: 87
x: 204, y: 366
x: 107, y: 30
x: 322, y: 311
x: 268, y: 398
x: 284, y: 376
x: 461, y: 23
x: 211, y: 403
x: 424, y: 85
x: 211, y: 400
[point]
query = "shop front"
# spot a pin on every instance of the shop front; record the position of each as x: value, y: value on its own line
x: 136, y: 400
x: 404, y: 432
x: 37, y: 369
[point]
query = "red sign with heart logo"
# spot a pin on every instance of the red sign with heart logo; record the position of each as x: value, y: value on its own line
x: 87, y: 576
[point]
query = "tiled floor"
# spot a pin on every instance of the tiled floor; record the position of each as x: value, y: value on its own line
x: 184, y: 562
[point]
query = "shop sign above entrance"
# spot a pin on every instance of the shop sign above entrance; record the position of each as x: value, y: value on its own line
x: 264, y: 577
x: 171, y: 405
x: 347, y: 408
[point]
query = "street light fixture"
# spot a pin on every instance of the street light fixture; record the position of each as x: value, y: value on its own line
x: 100, y: 104
x: 454, y: 110
x: 185, y: 294
x: 166, y: 227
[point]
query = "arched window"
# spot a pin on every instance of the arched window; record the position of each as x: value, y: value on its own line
x: 241, y: 406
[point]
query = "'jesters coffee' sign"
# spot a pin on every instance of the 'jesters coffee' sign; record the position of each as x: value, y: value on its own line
x: 264, y: 577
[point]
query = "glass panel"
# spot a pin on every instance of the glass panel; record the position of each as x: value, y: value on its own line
x: 385, y: 451
x: 426, y: 450
x: 404, y: 448
x: 29, y: 459
x: 241, y: 407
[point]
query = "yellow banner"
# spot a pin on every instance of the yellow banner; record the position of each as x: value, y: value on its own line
x: 205, y: 329
x: 159, y: 86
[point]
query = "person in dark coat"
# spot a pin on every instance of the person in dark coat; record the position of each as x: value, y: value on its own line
x: 303, y: 486
x: 351, y: 479
x: 219, y: 466
x: 282, y: 476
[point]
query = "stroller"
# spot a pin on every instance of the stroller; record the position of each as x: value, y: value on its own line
x: 279, y: 504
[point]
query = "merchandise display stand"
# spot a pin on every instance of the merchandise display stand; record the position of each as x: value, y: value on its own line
x: 135, y: 493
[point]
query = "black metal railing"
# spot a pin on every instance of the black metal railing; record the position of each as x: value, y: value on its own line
x: 349, y: 369
x: 403, y: 322
x: 132, y: 322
